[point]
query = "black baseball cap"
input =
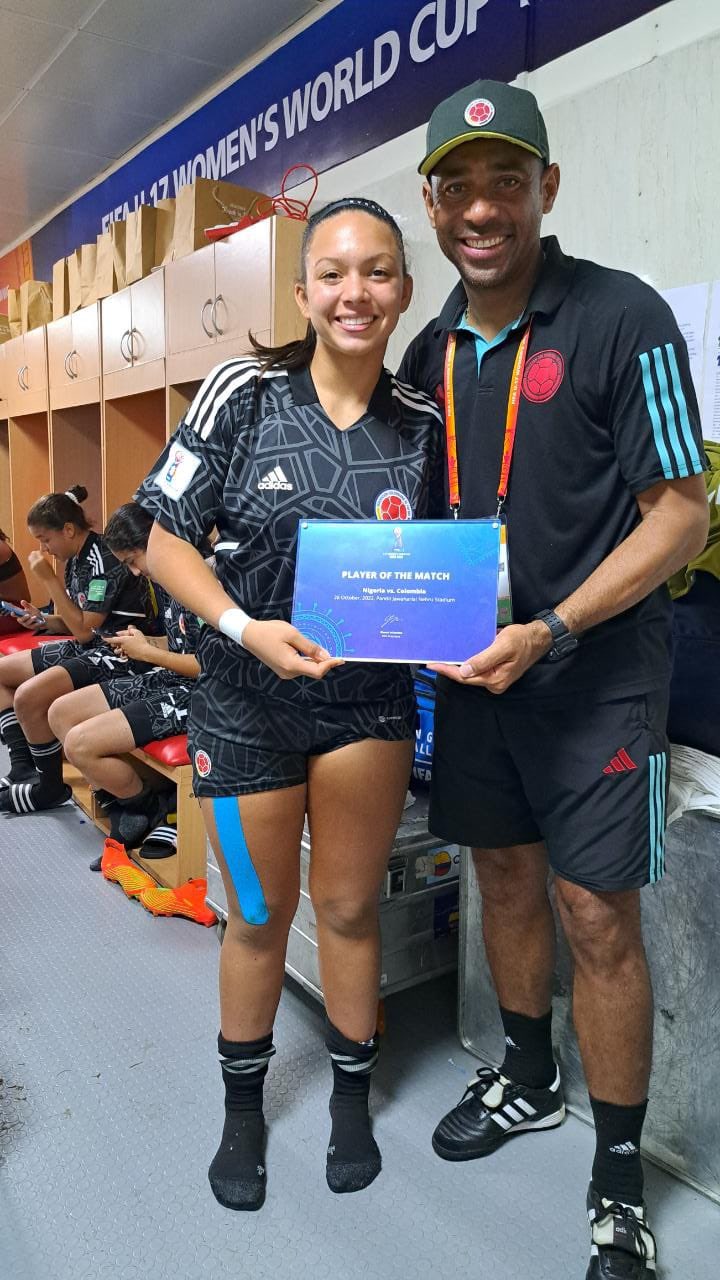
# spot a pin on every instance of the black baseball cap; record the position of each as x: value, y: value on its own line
x: 485, y: 109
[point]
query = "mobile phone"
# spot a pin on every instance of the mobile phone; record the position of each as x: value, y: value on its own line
x: 102, y: 639
x: 13, y: 608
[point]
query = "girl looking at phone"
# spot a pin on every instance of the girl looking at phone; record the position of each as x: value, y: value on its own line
x: 96, y: 591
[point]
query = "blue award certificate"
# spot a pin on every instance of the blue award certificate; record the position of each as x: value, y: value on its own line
x: 420, y: 591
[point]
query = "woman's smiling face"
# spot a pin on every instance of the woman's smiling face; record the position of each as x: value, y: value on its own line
x: 356, y: 287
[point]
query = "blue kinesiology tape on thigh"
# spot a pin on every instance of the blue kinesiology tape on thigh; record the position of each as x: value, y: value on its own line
x: 238, y: 860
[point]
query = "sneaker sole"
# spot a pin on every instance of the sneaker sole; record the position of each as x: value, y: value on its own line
x: 531, y: 1126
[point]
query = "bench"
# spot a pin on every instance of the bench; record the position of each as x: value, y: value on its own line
x: 168, y: 758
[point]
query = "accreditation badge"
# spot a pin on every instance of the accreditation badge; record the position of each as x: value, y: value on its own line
x: 504, y: 610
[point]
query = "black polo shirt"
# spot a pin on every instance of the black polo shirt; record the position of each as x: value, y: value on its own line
x: 607, y: 410
x: 254, y: 455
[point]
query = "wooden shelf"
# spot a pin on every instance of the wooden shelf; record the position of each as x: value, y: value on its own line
x: 5, y: 500
x: 133, y: 437
x: 29, y: 452
x: 76, y: 455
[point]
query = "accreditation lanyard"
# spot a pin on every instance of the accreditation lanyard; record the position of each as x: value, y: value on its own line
x: 505, y: 613
x: 511, y: 418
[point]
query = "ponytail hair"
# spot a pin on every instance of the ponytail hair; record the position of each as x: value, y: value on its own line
x: 299, y: 353
x: 55, y: 510
x: 128, y: 528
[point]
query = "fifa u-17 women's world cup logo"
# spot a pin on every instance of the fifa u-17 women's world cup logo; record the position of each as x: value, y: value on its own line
x: 397, y: 538
x: 177, y: 458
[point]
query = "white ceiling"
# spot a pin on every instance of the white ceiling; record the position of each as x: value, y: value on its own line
x: 81, y: 83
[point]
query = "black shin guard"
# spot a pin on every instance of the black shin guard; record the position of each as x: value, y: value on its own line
x: 353, y: 1157
x: 237, y: 1173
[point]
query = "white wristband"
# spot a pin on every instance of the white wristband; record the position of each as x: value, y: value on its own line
x: 232, y: 623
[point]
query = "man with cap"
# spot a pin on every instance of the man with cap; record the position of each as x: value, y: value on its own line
x: 570, y: 413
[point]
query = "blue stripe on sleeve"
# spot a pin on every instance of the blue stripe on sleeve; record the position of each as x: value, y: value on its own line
x: 688, y: 436
x: 655, y: 416
x: 670, y: 415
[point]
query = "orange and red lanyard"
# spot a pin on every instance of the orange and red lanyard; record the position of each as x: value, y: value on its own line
x: 511, y: 418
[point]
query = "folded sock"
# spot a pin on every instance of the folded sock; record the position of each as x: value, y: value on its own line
x: 47, y: 758
x: 353, y: 1156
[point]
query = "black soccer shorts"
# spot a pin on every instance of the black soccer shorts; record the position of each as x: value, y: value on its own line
x: 272, y: 739
x: 86, y: 664
x: 155, y: 705
x: 587, y: 775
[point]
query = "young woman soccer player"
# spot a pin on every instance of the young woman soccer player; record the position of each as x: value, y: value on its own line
x: 314, y: 429
x: 99, y: 724
x: 97, y: 595
x: 13, y: 585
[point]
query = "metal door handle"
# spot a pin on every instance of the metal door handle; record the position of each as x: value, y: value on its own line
x: 21, y: 380
x: 73, y: 372
x: 207, y: 331
x: 123, y: 353
x: 131, y: 345
x: 65, y: 362
x: 215, y: 325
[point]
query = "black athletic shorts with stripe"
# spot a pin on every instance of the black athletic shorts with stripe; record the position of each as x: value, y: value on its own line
x: 273, y: 738
x: 155, y: 705
x: 85, y: 664
x: 588, y: 776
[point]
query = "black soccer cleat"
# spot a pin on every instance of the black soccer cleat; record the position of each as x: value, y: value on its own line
x: 623, y: 1246
x: 493, y: 1109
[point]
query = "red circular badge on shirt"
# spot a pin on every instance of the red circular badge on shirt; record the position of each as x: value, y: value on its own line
x: 543, y: 374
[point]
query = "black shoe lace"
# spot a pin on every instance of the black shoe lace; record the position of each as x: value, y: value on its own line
x: 632, y: 1227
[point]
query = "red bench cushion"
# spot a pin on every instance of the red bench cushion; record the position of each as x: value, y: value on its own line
x: 169, y: 751
x: 26, y: 640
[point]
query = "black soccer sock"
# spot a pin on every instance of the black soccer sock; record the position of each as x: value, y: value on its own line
x: 237, y: 1173
x: 353, y: 1157
x: 135, y: 817
x: 21, y: 761
x: 47, y: 758
x: 528, y: 1049
x: 617, y: 1172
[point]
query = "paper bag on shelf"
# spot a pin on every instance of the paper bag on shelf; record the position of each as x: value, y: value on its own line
x: 60, y: 291
x: 81, y: 276
x: 110, y: 261
x: 5, y: 333
x: 35, y: 304
x: 140, y: 228
x: 14, y: 312
x: 207, y: 203
x: 164, y: 230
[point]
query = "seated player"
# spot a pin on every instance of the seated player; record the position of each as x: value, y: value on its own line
x: 13, y: 585
x: 100, y: 724
x: 97, y: 598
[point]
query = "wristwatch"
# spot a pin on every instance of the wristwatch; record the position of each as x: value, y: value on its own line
x: 563, y: 640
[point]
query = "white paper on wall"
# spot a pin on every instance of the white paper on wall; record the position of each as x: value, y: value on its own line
x: 689, y: 304
x: 710, y: 398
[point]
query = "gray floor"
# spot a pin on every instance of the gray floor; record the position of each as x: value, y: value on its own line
x: 110, y: 1108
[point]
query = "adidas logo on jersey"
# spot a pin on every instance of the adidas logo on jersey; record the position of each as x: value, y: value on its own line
x: 275, y: 479
x: 625, y: 1149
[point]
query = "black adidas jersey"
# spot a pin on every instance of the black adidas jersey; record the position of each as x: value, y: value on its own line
x: 181, y: 627
x: 607, y: 410
x: 95, y: 581
x: 257, y: 454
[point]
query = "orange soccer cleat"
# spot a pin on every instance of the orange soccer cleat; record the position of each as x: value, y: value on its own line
x: 115, y: 865
x: 187, y: 900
